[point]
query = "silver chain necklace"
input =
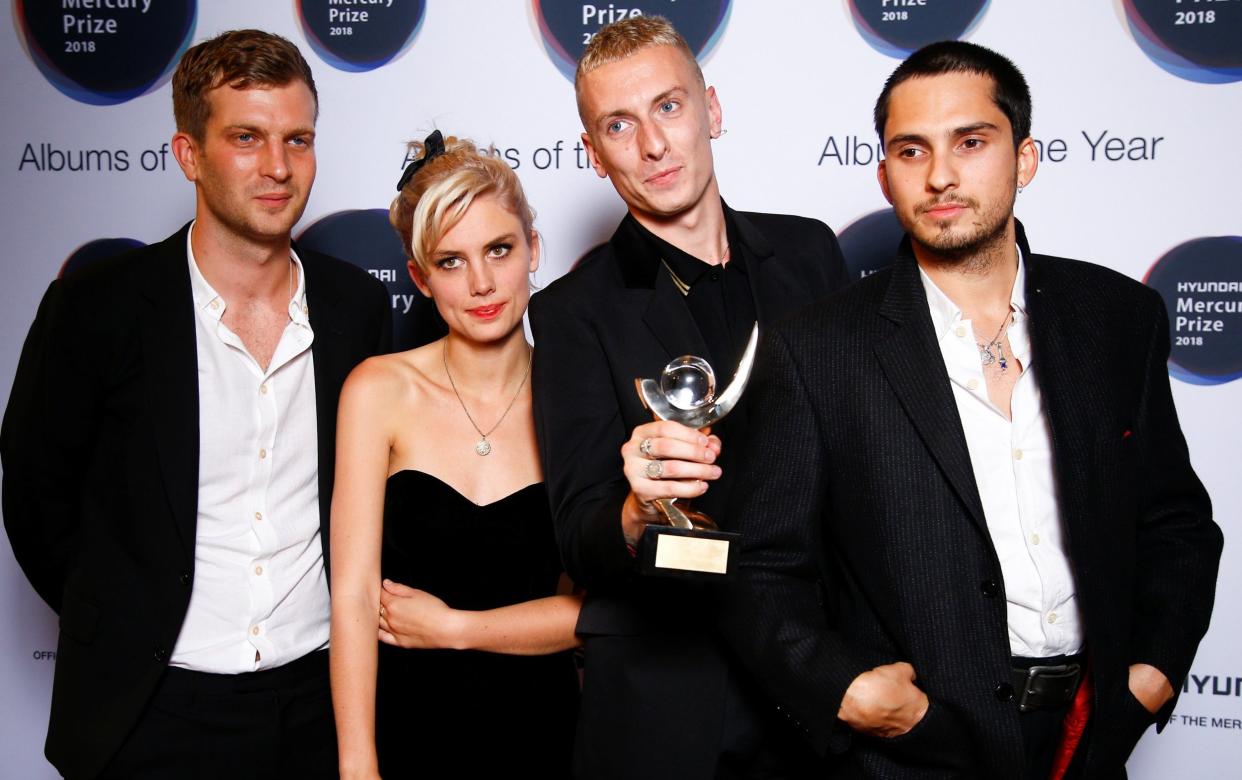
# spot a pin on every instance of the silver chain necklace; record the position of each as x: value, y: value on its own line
x: 483, y: 446
x: 985, y: 350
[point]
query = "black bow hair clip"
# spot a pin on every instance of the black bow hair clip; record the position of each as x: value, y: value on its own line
x: 433, y: 146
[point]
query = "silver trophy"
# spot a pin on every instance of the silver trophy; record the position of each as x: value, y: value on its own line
x: 691, y: 544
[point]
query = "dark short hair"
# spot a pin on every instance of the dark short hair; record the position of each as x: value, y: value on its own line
x: 241, y: 59
x: 1009, y: 89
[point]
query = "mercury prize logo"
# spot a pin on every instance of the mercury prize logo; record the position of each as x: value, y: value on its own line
x: 567, y: 26
x: 364, y: 238
x: 1197, y: 40
x: 1201, y: 283
x: 898, y: 28
x: 870, y: 243
x: 94, y: 251
x: 105, y: 53
x: 360, y: 36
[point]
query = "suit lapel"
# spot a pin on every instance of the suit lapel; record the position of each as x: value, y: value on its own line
x: 914, y: 366
x: 1063, y: 327
x: 170, y: 354
x: 669, y: 319
x: 328, y: 349
x: 666, y: 315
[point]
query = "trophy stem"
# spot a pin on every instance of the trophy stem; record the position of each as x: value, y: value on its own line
x: 686, y: 519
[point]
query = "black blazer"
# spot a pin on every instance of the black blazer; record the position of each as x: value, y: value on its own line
x: 100, y: 451
x: 865, y: 541
x: 618, y: 316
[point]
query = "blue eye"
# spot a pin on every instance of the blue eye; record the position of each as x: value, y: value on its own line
x: 668, y: 106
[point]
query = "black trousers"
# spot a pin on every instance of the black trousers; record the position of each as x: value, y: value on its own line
x: 275, y: 723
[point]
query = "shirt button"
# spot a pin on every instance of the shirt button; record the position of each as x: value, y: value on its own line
x: 715, y: 276
x: 1052, y: 617
x: 263, y: 389
x: 1003, y: 692
x: 254, y: 630
x: 214, y: 304
x: 973, y: 384
x: 258, y: 516
x: 262, y: 454
x: 960, y: 332
x: 258, y: 570
x: 1017, y: 454
x: 1034, y: 538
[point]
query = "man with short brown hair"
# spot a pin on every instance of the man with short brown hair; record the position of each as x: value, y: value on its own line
x: 168, y: 452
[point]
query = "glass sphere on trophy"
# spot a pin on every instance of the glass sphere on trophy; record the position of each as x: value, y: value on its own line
x: 688, y: 543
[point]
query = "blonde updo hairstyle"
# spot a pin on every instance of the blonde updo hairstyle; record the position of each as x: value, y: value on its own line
x: 436, y: 198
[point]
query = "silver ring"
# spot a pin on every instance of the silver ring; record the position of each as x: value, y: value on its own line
x: 655, y: 469
x: 645, y: 447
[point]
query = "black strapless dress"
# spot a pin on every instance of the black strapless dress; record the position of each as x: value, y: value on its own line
x: 465, y: 714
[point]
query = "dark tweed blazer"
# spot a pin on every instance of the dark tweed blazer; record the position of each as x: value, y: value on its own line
x: 865, y: 541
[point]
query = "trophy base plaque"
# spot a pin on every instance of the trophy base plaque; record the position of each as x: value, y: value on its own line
x: 696, y: 553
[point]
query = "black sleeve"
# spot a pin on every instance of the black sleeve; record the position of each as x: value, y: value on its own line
x: 580, y: 428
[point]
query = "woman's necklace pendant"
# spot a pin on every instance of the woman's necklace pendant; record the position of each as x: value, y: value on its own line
x: 483, y: 446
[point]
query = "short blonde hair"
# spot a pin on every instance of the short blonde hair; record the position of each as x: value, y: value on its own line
x: 623, y: 39
x: 435, y: 198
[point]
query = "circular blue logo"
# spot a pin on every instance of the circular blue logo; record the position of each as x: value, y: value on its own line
x: 94, y: 251
x: 898, y: 28
x: 363, y: 34
x: 105, y: 53
x: 870, y: 243
x: 364, y: 238
x: 567, y: 27
x: 1201, y: 283
x: 1196, y: 41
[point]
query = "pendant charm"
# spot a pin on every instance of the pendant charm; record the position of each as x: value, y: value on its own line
x: 985, y: 355
x: 483, y: 446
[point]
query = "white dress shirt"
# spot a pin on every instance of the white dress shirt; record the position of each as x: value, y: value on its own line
x: 1012, y: 462
x: 260, y: 595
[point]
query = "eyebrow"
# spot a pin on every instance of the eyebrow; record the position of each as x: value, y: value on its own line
x: 256, y: 130
x: 505, y: 238
x: 957, y: 131
x: 604, y: 116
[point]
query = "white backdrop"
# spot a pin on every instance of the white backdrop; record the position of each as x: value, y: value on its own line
x: 796, y: 81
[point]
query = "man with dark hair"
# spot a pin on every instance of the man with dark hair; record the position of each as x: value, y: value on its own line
x: 168, y: 452
x: 969, y: 519
x: 684, y: 274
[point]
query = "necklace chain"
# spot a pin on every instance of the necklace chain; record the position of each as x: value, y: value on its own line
x: 985, y: 350
x: 483, y: 446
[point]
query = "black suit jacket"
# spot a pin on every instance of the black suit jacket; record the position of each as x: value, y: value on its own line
x: 652, y: 669
x: 865, y: 541
x: 100, y: 449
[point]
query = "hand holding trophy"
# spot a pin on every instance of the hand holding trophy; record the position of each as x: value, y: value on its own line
x: 690, y: 544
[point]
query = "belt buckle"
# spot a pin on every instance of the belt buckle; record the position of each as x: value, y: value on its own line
x: 1035, y: 672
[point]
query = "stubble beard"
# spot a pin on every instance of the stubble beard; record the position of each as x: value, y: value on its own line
x: 967, y: 249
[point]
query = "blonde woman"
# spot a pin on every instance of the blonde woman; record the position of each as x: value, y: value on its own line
x: 439, y: 496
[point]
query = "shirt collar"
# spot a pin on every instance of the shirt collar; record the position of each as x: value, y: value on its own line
x: 685, y: 268
x: 210, y: 301
x: 945, y: 313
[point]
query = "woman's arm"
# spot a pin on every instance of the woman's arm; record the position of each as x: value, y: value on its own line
x: 416, y: 619
x: 362, y: 454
